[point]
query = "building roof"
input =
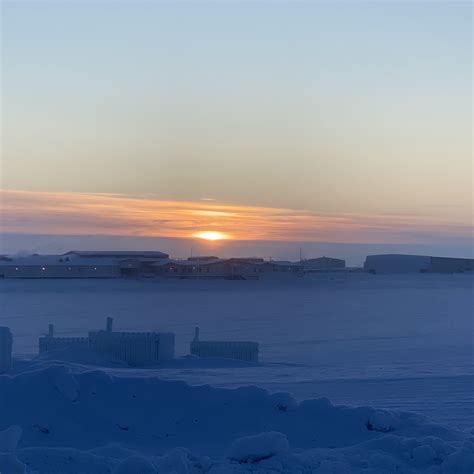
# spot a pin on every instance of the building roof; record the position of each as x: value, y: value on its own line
x: 284, y: 263
x: 189, y: 263
x: 400, y: 256
x: 322, y: 259
x: 58, y: 260
x: 202, y: 258
x: 118, y: 253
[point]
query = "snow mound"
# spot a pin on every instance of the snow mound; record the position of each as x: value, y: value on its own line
x: 72, y: 420
x: 79, y: 355
x: 9, y: 439
x: 258, y: 447
x: 135, y: 465
x: 10, y: 464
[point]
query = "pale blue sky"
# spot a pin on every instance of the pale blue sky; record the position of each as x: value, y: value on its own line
x: 329, y: 107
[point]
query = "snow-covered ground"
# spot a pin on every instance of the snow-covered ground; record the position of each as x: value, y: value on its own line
x: 393, y: 342
x: 68, y: 419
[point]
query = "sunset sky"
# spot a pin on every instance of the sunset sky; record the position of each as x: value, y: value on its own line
x: 270, y: 121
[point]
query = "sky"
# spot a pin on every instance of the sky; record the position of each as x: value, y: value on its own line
x: 337, y: 122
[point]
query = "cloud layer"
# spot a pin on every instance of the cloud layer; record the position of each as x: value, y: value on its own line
x: 108, y: 214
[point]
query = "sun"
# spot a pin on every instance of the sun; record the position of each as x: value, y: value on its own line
x: 211, y: 235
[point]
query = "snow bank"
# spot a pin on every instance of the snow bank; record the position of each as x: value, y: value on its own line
x: 258, y: 447
x: 73, y: 420
x: 9, y: 439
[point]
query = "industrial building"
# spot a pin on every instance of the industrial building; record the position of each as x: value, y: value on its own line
x: 451, y: 265
x: 138, y: 349
x: 230, y: 268
x: 321, y: 264
x: 59, y: 266
x: 81, y: 264
x: 240, y: 350
x: 395, y: 263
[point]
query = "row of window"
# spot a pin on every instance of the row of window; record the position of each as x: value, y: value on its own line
x: 69, y: 268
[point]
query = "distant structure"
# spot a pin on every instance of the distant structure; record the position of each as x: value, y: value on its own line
x: 117, y: 254
x: 82, y: 264
x: 247, y: 351
x: 6, y: 344
x: 138, y: 349
x: 50, y: 342
x: 451, y: 265
x: 394, y: 263
x: 322, y: 264
x: 58, y: 266
x: 228, y: 269
x: 153, y: 264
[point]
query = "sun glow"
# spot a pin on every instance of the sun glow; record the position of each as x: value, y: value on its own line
x: 211, y: 235
x: 79, y: 214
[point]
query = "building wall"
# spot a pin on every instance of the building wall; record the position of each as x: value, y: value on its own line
x: 208, y: 270
x: 166, y: 350
x: 324, y: 263
x: 417, y: 264
x: 396, y: 263
x: 136, y: 349
x: 451, y: 265
x: 50, y: 343
x: 59, y: 271
x: 247, y: 351
x: 6, y: 344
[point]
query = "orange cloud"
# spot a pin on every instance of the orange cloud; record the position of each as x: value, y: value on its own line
x: 110, y: 214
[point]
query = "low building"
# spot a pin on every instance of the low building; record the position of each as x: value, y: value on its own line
x: 50, y: 342
x: 210, y: 268
x: 190, y: 269
x: 138, y: 349
x: 450, y: 265
x: 323, y: 264
x: 282, y: 267
x: 395, y: 263
x: 229, y: 269
x: 59, y: 266
x: 240, y: 350
x: 82, y: 264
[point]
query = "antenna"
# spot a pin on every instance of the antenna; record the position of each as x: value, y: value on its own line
x: 109, y: 322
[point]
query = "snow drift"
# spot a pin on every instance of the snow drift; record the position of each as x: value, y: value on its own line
x: 63, y: 418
